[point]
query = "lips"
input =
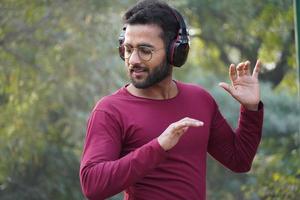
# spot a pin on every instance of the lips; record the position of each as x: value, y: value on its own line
x: 138, y: 70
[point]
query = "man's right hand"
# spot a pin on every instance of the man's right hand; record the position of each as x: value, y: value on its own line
x: 170, y: 137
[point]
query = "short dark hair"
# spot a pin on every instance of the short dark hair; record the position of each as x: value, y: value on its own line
x: 154, y: 12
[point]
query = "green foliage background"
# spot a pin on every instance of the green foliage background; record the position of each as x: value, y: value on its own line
x: 57, y: 58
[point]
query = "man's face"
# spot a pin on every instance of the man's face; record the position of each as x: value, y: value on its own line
x: 145, y: 55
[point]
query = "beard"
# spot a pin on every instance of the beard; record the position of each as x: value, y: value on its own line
x: 156, y: 75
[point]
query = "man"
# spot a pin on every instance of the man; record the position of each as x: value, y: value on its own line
x: 151, y: 137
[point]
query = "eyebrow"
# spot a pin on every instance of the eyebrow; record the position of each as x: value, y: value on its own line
x: 140, y: 45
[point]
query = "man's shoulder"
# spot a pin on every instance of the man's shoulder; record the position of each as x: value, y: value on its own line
x: 109, y: 101
x: 193, y: 88
x: 197, y: 94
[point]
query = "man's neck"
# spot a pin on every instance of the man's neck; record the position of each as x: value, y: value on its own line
x: 166, y: 89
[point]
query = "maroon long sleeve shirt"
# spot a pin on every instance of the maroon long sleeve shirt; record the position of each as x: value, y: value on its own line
x: 121, y: 150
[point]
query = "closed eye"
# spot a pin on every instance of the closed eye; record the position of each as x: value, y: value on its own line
x: 145, y: 50
x: 128, y: 49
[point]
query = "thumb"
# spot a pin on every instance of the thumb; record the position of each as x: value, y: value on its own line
x: 226, y: 87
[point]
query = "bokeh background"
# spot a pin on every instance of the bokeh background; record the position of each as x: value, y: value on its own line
x: 57, y: 58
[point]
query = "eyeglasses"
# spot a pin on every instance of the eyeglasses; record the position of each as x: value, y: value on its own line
x: 144, y: 52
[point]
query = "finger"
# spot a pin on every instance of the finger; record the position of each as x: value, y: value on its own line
x: 256, y: 69
x: 226, y: 87
x: 191, y: 122
x: 247, y: 68
x: 232, y: 73
x: 188, y: 119
x: 187, y: 123
x: 240, y: 69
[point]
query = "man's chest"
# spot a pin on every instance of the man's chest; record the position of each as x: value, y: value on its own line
x: 140, y: 128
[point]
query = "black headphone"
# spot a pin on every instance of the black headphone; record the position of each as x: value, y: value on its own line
x: 178, y: 49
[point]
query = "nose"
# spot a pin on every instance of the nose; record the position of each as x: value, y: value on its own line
x: 134, y: 58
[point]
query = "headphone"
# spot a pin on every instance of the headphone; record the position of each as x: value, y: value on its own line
x: 178, y: 49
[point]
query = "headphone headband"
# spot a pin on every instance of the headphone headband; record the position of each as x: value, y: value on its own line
x: 180, y: 20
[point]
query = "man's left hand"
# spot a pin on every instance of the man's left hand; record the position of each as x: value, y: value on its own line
x: 244, y: 86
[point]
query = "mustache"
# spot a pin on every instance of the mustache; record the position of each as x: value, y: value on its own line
x: 138, y: 68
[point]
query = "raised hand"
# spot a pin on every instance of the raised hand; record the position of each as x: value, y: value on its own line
x: 244, y: 86
x: 170, y: 137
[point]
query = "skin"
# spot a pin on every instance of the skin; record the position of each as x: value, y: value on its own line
x: 244, y: 86
x: 148, y: 35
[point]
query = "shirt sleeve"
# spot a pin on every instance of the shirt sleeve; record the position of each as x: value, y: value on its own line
x: 102, y: 172
x: 236, y: 149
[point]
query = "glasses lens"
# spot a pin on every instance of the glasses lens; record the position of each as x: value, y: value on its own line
x: 128, y: 51
x: 145, y: 53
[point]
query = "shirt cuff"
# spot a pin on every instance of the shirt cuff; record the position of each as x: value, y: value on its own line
x: 155, y: 144
x: 260, y: 108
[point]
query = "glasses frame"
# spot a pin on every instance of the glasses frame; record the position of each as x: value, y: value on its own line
x: 139, y: 49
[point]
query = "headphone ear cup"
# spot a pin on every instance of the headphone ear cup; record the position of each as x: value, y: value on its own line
x: 121, y: 41
x: 122, y: 52
x: 179, y: 47
x: 180, y: 54
x: 170, y: 53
